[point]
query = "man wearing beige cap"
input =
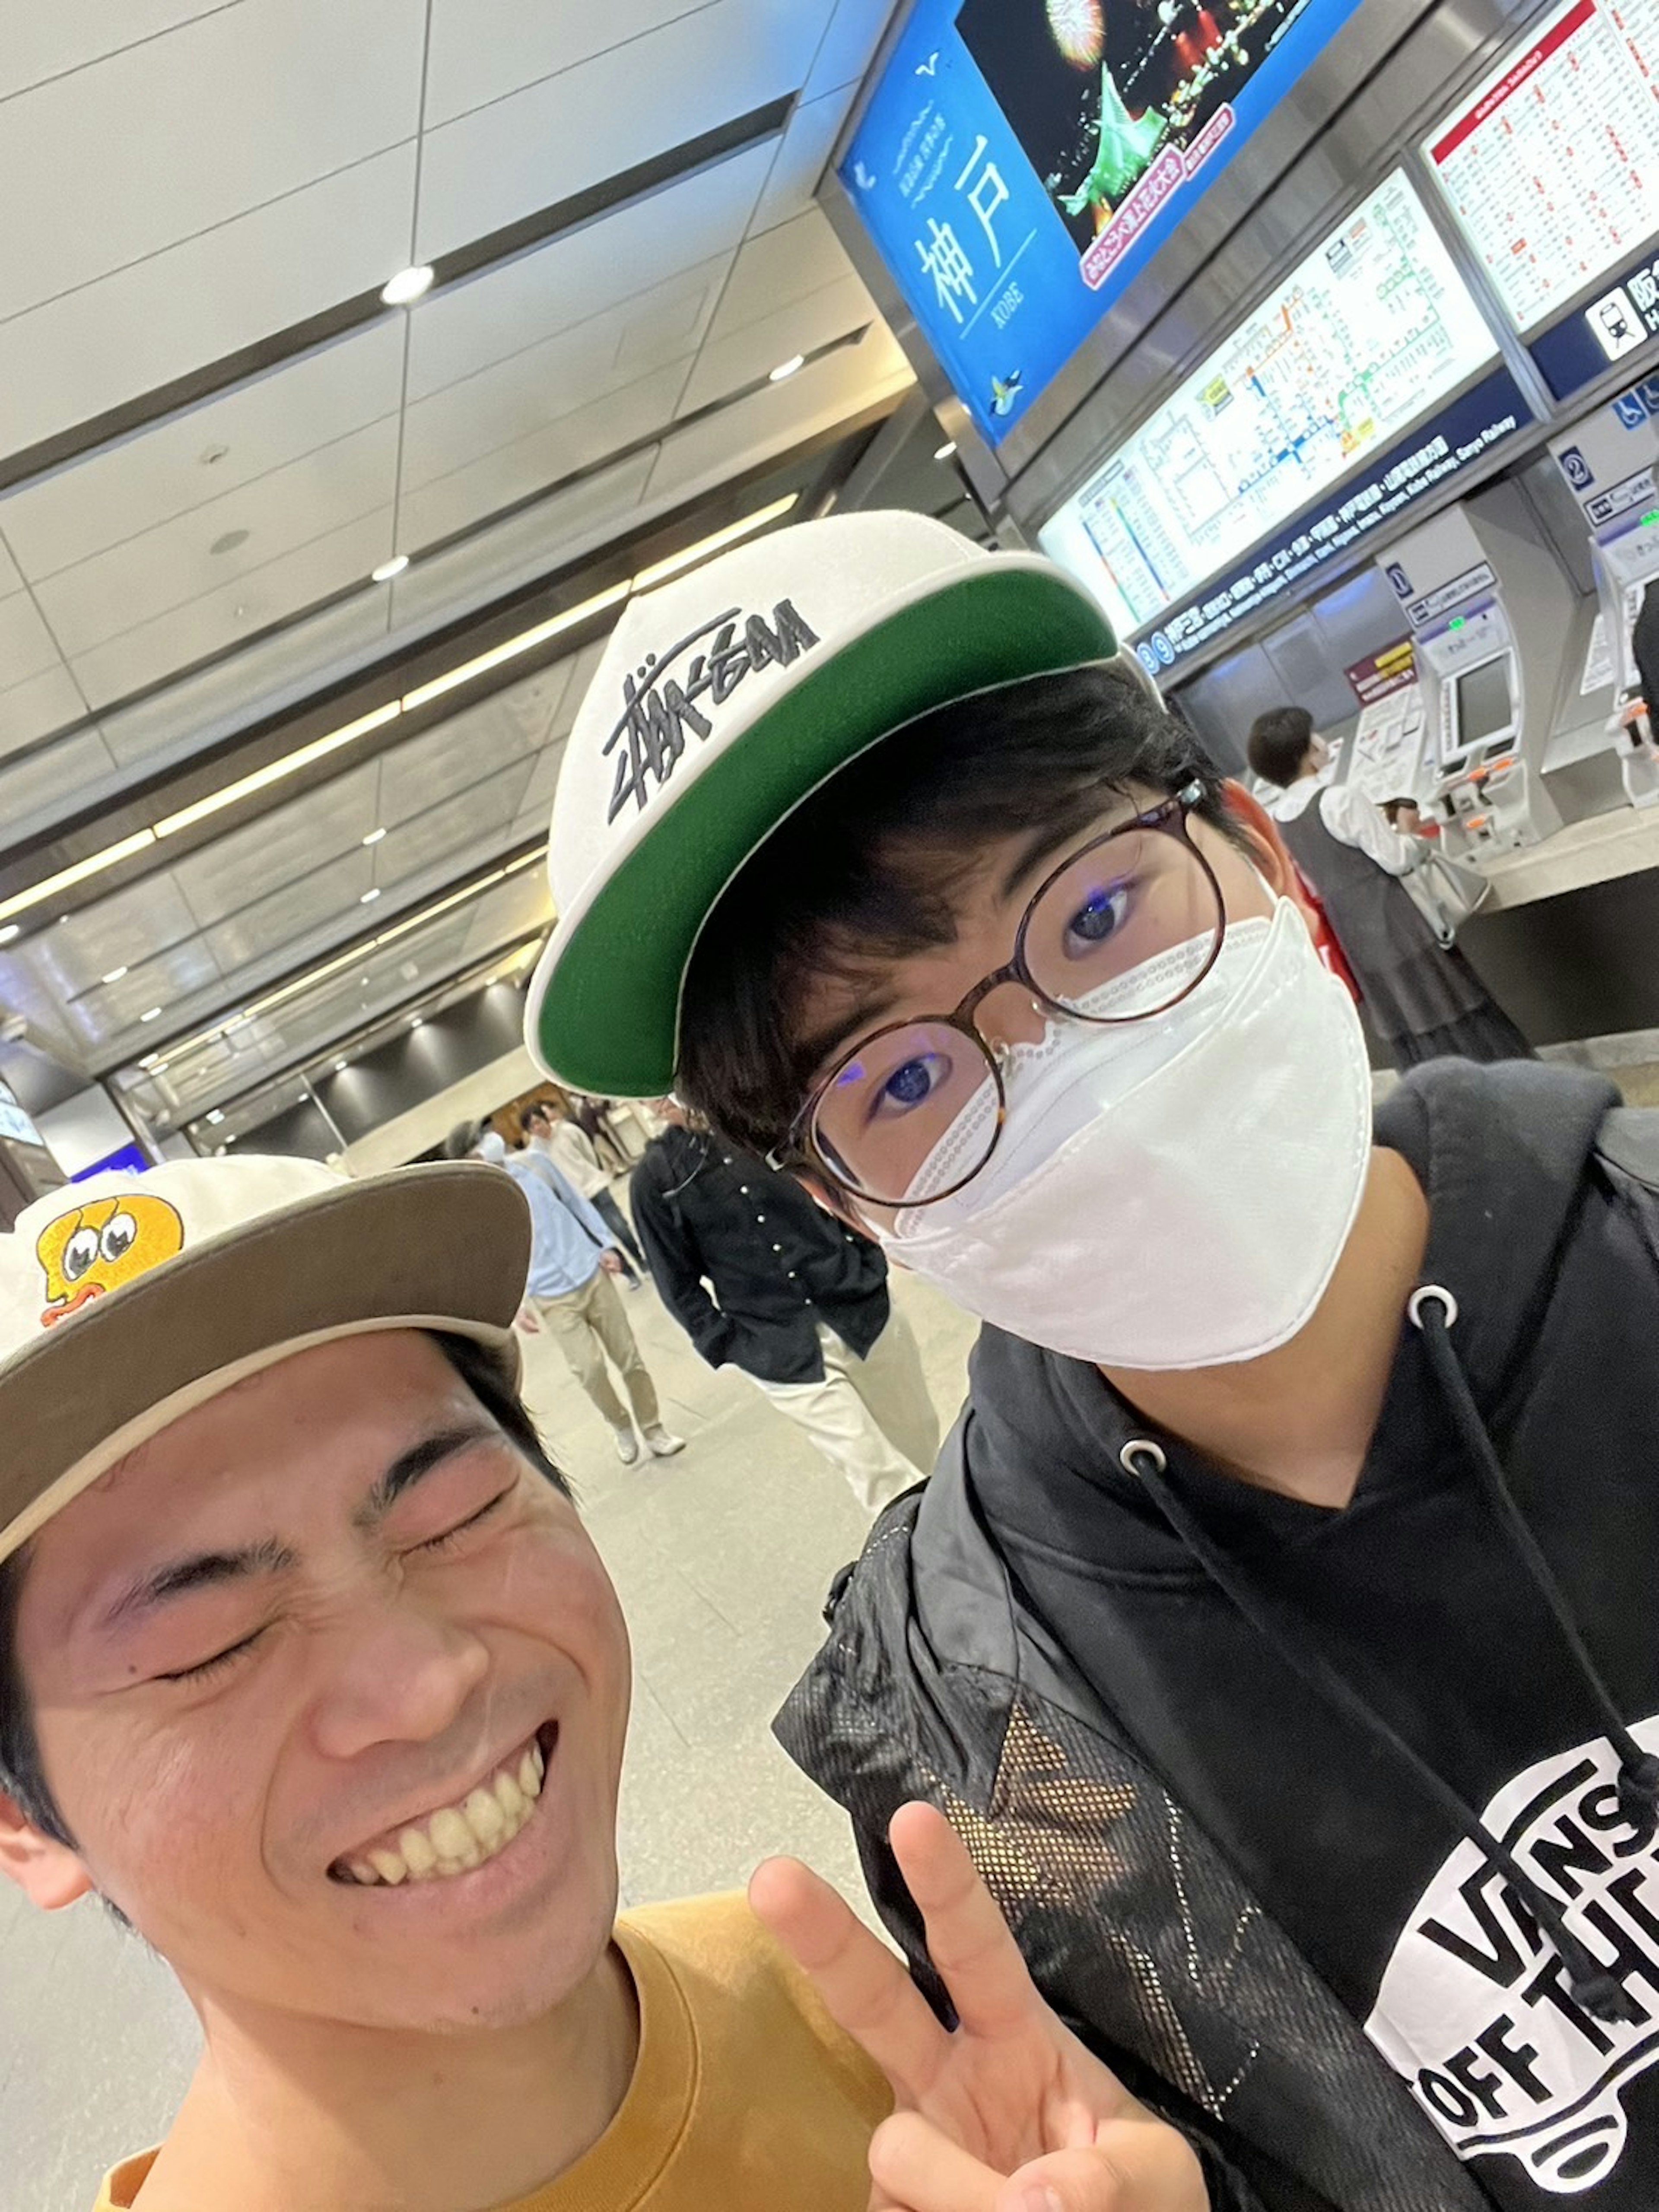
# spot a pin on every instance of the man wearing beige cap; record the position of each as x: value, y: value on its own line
x: 308, y: 1669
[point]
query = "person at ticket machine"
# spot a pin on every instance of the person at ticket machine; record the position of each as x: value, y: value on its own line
x: 1419, y: 992
x: 1638, y: 709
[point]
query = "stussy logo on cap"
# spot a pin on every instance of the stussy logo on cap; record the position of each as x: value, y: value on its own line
x: 659, y: 707
x: 98, y: 1247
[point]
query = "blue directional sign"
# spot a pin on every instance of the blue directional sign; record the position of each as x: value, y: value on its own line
x: 1022, y: 161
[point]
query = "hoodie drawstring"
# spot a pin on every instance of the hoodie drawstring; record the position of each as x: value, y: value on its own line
x: 1433, y: 1311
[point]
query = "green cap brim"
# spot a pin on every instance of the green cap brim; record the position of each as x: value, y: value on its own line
x: 607, y: 1019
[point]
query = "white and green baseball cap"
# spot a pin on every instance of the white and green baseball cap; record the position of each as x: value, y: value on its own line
x: 723, y: 701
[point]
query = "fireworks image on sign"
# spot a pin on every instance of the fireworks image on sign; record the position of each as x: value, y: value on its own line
x: 1080, y: 30
x: 1095, y: 90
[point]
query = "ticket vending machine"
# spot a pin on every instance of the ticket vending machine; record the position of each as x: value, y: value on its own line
x: 1490, y: 611
x: 1391, y: 756
x: 1611, y: 463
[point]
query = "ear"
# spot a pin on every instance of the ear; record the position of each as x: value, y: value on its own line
x: 48, y: 1873
x: 1269, y: 851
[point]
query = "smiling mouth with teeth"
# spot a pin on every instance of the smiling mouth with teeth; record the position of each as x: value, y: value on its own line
x: 457, y: 1838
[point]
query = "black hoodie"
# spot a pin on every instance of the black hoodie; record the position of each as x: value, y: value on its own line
x: 1398, y: 1726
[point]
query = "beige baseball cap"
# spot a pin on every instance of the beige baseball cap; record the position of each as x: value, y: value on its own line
x: 126, y: 1300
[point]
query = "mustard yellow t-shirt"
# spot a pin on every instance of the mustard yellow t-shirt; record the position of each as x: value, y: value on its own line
x: 745, y: 2096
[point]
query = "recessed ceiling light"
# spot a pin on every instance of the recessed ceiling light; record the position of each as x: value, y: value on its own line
x: 406, y: 287
x: 375, y: 836
x: 370, y: 895
x: 216, y: 1116
x: 15, y: 929
x: 945, y: 450
x: 341, y: 1065
x: 417, y: 1023
x: 388, y: 570
x: 153, y: 1015
x: 113, y: 976
x: 787, y: 368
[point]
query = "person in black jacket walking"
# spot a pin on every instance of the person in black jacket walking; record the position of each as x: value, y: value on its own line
x: 1277, y: 1630
x: 761, y: 1278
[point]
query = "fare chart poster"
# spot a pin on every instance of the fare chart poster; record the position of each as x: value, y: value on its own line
x: 1022, y: 161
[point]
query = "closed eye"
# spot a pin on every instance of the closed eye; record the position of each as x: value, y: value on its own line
x: 452, y: 1535
x: 205, y: 1667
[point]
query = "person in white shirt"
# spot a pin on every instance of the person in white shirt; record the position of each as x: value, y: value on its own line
x: 545, y: 1130
x: 1422, y: 998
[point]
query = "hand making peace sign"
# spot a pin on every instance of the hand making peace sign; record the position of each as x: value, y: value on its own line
x: 1010, y: 2113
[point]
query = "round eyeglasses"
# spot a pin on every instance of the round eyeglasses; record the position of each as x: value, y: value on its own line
x: 1119, y: 932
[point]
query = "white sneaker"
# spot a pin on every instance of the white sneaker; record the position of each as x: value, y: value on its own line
x: 627, y: 1446
x: 663, y: 1445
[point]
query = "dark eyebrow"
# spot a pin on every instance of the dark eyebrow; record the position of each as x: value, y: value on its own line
x: 210, y: 1569
x: 1034, y: 850
x: 1047, y: 842
x: 414, y: 1465
x: 813, y: 1051
x: 201, y: 1571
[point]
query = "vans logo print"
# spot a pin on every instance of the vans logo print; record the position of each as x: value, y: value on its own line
x: 658, y: 707
x: 1475, y: 2009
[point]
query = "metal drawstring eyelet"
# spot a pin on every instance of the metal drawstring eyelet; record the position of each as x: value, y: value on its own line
x: 1154, y: 1453
x: 1414, y: 1303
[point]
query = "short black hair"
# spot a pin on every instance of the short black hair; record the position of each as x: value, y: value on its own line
x: 1278, y: 744
x: 870, y: 868
x: 537, y: 1110
x: 22, y: 1772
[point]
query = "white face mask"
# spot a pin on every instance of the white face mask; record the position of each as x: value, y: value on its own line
x: 492, y: 1146
x: 1175, y: 1193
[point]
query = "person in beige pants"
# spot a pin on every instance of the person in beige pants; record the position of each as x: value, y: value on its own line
x: 572, y: 1260
x: 870, y: 1417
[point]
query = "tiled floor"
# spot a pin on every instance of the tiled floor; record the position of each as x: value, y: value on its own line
x: 722, y: 1557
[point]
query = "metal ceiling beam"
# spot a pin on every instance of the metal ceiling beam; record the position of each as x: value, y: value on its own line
x: 75, y: 838
x: 388, y: 1019
x: 480, y: 255
x: 342, y: 949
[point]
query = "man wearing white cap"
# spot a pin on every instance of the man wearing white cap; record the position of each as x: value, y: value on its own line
x: 308, y: 1669
x: 1277, y: 1626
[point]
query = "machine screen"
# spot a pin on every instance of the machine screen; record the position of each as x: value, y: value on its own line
x: 1483, y: 707
x: 1357, y: 343
x: 1547, y: 165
